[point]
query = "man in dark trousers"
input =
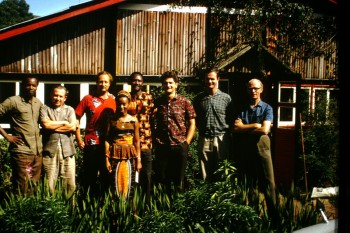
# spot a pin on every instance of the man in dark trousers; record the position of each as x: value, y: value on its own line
x: 174, y: 127
x: 253, y: 125
x: 140, y: 106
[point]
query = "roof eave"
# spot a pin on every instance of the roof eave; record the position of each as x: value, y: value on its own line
x: 41, y: 22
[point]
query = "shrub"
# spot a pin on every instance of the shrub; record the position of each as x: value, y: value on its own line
x: 321, y: 142
x: 5, y: 168
x: 212, y: 207
x: 160, y: 222
x: 34, y: 214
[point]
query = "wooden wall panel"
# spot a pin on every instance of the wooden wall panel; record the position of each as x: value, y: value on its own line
x: 151, y: 42
x: 154, y: 42
x: 323, y: 66
x: 61, y: 49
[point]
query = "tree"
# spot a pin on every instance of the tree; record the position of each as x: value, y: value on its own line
x: 285, y: 26
x: 13, y: 12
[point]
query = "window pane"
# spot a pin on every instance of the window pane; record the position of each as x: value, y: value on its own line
x: 73, y: 98
x: 7, y: 90
x: 287, y: 95
x: 286, y: 114
x: 305, y: 101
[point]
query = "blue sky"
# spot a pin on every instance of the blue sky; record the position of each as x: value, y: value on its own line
x: 46, y: 7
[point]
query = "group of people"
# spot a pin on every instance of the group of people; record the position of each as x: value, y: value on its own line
x: 130, y: 135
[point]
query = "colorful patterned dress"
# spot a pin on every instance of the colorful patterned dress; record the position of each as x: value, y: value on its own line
x: 122, y: 154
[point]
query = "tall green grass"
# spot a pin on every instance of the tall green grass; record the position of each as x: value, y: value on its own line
x: 228, y: 205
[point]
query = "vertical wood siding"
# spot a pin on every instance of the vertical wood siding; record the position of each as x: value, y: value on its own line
x: 147, y: 41
x: 75, y: 47
x: 154, y: 42
x: 323, y: 66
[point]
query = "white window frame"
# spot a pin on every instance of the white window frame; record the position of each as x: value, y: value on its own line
x: 286, y: 123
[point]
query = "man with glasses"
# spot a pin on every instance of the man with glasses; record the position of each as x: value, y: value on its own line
x: 253, y: 125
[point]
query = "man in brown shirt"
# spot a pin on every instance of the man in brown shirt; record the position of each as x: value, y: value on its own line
x: 140, y: 106
x: 25, y: 142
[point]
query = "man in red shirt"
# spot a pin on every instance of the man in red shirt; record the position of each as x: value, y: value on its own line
x: 98, y: 107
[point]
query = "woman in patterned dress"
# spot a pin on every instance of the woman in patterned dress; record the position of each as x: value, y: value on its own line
x: 122, y: 147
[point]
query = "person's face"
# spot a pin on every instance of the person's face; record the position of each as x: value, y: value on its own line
x: 58, y: 97
x: 254, y: 89
x: 136, y: 83
x: 122, y: 104
x: 103, y: 83
x: 30, y: 86
x: 211, y: 80
x: 169, y: 86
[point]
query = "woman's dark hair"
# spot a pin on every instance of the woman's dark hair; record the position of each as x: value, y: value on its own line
x: 123, y: 93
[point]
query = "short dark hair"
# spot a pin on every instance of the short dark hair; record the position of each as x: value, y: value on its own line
x: 133, y: 75
x: 24, y: 79
x: 60, y: 87
x: 104, y: 72
x: 169, y: 74
x: 212, y: 69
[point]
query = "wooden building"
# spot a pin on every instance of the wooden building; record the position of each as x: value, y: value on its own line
x: 73, y: 45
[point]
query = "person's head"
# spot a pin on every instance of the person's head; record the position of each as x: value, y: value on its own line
x: 29, y: 86
x: 211, y: 78
x: 59, y: 96
x: 255, y: 88
x: 170, y: 82
x: 136, y: 81
x: 103, y: 81
x: 123, y: 100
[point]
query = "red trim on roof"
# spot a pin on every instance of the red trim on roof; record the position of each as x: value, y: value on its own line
x: 96, y: 5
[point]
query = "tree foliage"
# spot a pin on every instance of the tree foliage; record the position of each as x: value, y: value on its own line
x: 321, y: 139
x: 13, y: 12
x: 284, y: 26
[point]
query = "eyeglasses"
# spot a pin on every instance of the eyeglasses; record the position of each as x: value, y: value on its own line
x: 253, y: 88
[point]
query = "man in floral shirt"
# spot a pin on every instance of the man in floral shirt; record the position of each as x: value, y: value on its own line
x: 140, y: 106
x: 174, y: 127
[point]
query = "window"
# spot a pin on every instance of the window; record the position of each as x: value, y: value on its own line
x: 287, y: 95
x: 7, y: 90
x: 314, y: 99
x: 286, y: 108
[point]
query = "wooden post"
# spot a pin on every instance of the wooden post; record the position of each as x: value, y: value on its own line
x: 304, y: 157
